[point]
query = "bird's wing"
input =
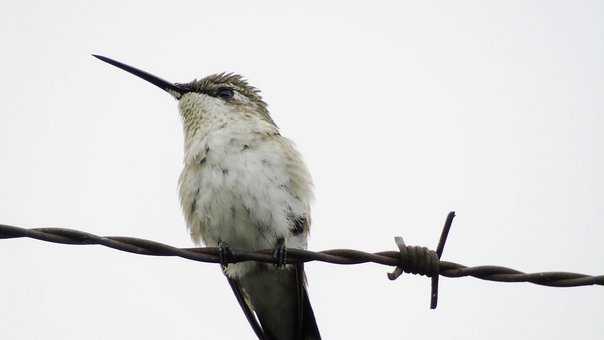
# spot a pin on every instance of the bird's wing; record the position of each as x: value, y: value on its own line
x: 280, y: 301
x: 306, y: 317
x: 249, y: 315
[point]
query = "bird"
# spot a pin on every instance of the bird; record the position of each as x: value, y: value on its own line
x: 245, y: 186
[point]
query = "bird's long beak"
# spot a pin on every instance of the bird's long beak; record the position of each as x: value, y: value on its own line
x: 176, y: 90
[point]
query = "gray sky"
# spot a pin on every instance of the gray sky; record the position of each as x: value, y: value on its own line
x: 402, y: 112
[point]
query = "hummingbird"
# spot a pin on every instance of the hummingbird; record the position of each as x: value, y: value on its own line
x: 245, y: 186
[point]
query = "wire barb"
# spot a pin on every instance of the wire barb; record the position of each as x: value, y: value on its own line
x: 423, y: 261
x: 413, y: 261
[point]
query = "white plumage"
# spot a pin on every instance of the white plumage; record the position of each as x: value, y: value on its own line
x: 242, y: 182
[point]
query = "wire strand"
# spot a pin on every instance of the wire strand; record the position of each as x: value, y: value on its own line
x: 409, y: 259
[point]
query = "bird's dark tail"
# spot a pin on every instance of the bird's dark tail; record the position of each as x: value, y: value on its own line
x: 280, y: 301
x: 310, y: 330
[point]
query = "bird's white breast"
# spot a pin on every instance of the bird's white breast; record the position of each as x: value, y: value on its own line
x: 242, y: 183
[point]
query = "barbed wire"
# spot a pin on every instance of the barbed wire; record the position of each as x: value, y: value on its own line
x: 409, y: 259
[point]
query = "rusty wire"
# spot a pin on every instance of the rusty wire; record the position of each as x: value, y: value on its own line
x: 409, y: 259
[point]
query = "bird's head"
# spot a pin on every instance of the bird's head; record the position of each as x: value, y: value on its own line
x: 225, y: 94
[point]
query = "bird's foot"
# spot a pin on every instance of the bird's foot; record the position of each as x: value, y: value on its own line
x: 225, y: 254
x: 280, y: 254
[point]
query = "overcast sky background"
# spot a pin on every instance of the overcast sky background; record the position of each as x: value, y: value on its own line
x: 402, y: 111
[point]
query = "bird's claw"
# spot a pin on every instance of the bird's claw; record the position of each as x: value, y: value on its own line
x: 225, y: 254
x: 280, y: 254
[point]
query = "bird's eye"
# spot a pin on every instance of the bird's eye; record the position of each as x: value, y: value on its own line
x: 225, y: 93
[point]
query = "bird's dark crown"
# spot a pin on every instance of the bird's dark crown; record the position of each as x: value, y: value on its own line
x: 214, y: 85
x: 211, y: 84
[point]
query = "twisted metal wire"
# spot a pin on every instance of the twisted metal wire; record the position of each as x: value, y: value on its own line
x: 409, y: 259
